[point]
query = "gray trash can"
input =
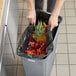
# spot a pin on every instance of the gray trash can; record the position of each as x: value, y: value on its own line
x: 34, y: 67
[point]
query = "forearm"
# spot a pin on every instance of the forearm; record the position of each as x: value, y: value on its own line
x: 30, y: 4
x: 58, y: 6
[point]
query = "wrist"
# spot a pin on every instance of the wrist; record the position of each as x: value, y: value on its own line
x: 55, y: 14
x: 31, y: 9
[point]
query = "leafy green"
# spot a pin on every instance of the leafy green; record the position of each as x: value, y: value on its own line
x: 39, y: 29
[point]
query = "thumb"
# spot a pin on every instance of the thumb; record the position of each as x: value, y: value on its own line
x: 51, y: 28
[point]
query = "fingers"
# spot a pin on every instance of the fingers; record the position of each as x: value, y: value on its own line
x: 31, y: 16
x: 52, y: 26
x: 32, y: 20
x: 53, y: 22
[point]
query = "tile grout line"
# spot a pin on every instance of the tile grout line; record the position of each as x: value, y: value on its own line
x: 74, y: 7
x: 65, y: 64
x: 18, y: 26
x: 57, y: 43
x: 56, y: 63
x: 56, y: 59
x: 17, y: 67
x: 67, y: 43
x: 65, y: 53
x: 22, y: 16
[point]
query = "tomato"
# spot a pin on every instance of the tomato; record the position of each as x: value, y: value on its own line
x: 34, y: 52
x: 43, y: 52
x: 37, y: 46
x: 32, y: 39
x: 39, y: 50
x: 43, y: 48
x: 32, y: 44
x: 31, y: 52
x: 28, y: 52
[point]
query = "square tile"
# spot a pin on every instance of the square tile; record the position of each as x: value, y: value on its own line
x: 71, y: 20
x: 10, y: 70
x: 20, y: 71
x: 70, y: 24
x: 62, y: 70
x: 70, y: 12
x: 62, y: 7
x: 8, y: 49
x: 25, y: 5
x: 21, y: 29
x: 71, y: 29
x: 61, y: 48
x: 62, y: 58
x: 72, y: 70
x: 75, y: 3
x: 55, y: 60
x: 62, y: 12
x: 20, y: 21
x: 72, y: 58
x: 53, y: 72
x: 62, y: 38
x: 72, y: 48
x: 69, y: 4
x: 62, y: 29
x: 71, y: 38
x: 19, y: 61
x: 18, y: 37
x: 25, y: 13
x: 20, y: 13
x: 9, y: 60
x: 69, y: 0
x: 25, y: 21
x: 20, y: 6
x: 19, y: 1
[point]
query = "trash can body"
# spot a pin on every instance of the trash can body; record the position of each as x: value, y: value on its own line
x: 35, y: 67
x: 41, y: 67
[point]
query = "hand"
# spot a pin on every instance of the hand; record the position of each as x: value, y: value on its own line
x: 31, y: 16
x: 53, y: 21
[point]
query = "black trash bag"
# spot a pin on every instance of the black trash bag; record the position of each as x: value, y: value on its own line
x: 23, y: 43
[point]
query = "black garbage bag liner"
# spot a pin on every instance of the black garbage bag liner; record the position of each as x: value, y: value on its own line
x: 23, y: 43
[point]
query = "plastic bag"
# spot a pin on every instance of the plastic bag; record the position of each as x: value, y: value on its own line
x: 23, y: 43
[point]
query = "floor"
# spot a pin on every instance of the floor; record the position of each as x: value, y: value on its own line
x: 65, y: 61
